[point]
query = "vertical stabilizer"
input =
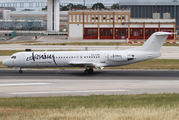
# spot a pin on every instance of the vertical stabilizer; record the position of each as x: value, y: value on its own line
x: 155, y: 41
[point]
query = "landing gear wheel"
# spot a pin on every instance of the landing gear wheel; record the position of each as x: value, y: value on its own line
x: 90, y: 70
x: 20, y: 71
x: 86, y: 71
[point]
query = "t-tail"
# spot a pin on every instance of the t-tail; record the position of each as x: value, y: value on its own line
x: 155, y: 41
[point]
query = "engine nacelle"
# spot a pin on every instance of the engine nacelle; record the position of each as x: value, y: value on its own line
x: 120, y: 57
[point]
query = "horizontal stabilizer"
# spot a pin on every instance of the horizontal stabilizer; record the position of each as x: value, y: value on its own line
x: 163, y: 33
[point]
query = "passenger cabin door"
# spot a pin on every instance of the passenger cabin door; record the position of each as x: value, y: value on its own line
x: 21, y: 59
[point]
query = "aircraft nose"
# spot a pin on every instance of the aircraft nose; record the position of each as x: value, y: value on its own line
x: 5, y: 62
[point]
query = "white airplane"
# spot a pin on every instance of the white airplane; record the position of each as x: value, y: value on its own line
x: 89, y: 59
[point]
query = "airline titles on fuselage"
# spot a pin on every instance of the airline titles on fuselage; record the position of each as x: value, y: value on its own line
x: 35, y: 57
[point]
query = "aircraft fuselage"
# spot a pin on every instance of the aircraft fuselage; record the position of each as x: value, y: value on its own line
x: 72, y: 58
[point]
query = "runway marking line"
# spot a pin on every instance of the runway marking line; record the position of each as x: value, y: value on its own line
x: 22, y: 84
x: 50, y: 92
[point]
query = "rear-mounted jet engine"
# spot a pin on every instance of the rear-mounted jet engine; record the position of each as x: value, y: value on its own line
x: 120, y: 57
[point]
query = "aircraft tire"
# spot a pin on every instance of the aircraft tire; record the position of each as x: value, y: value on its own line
x: 20, y: 71
x: 90, y: 70
x: 86, y: 71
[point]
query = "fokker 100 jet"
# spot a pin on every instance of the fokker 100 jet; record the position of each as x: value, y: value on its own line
x: 89, y: 59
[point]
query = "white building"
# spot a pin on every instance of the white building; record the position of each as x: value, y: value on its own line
x: 5, y: 14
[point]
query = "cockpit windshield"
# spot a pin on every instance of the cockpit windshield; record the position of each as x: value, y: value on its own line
x: 13, y: 57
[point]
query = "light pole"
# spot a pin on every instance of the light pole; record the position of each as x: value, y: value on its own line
x: 175, y: 8
x: 175, y: 15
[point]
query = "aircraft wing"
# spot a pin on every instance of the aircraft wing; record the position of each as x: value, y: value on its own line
x: 91, y: 64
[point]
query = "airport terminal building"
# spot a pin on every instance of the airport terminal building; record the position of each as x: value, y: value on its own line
x: 115, y: 24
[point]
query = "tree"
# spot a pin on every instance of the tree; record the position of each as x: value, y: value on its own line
x: 43, y: 9
x: 79, y: 6
x: 63, y: 8
x: 69, y: 6
x: 98, y: 5
x: 115, y: 6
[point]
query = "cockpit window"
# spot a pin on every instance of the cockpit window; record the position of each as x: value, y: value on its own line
x: 13, y: 57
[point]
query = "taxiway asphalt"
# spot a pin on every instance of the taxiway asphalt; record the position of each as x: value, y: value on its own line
x: 35, y: 83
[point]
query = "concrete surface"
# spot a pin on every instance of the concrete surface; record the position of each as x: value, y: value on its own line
x: 34, y: 83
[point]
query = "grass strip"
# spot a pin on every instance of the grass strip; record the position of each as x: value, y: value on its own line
x: 149, y: 64
x: 94, y: 107
x: 139, y: 113
x: 10, y: 52
x: 2, y: 66
x: 18, y: 42
x: 97, y: 101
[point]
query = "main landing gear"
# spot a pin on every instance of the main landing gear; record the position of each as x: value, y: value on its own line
x: 88, y: 71
x: 20, y: 71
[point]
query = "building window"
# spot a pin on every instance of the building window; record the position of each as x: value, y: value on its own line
x: 100, y: 18
x: 77, y: 18
x: 89, y: 18
x: 69, y: 18
x: 85, y: 17
x: 81, y: 18
x: 116, y: 32
x: 131, y: 32
x: 74, y: 18
x: 141, y: 32
x: 127, y: 18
